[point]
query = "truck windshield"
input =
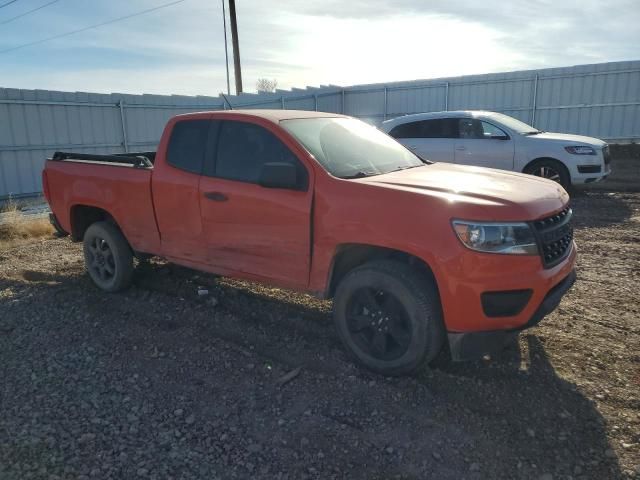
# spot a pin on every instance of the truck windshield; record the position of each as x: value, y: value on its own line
x: 349, y: 148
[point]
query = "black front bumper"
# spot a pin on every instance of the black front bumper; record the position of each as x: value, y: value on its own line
x: 474, y: 345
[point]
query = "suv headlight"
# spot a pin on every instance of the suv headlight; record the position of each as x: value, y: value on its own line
x: 509, y: 238
x: 580, y: 150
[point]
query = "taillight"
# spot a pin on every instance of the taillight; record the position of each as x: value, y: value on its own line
x: 45, y: 186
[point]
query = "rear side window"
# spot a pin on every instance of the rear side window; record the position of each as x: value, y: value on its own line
x: 243, y: 148
x: 440, y: 128
x: 407, y: 130
x: 187, y: 145
x: 436, y: 128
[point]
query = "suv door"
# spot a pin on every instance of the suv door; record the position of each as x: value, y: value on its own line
x: 431, y: 139
x: 251, y: 230
x: 483, y: 144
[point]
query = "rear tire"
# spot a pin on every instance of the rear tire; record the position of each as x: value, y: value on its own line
x: 389, y: 318
x: 550, y: 169
x: 108, y: 257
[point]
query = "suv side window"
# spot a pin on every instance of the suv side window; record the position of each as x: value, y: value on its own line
x: 472, y: 128
x: 491, y: 131
x: 439, y: 128
x: 407, y: 130
x: 243, y: 148
x: 435, y: 128
x: 187, y: 145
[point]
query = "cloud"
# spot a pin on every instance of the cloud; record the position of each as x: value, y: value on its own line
x: 180, y: 49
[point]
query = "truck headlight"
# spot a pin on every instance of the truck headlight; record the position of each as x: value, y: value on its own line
x: 509, y: 238
x: 580, y: 150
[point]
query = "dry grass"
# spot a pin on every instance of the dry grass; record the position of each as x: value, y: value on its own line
x: 17, y: 228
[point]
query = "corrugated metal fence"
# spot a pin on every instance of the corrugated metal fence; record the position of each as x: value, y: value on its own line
x: 601, y: 100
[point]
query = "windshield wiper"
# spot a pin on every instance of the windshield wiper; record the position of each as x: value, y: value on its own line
x: 359, y: 175
x: 536, y: 132
x: 406, y: 167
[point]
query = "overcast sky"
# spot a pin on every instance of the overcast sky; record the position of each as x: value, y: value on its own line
x: 180, y: 49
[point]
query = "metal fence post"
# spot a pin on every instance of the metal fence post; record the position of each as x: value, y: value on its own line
x: 315, y: 101
x: 282, y: 101
x: 384, y: 114
x: 343, y: 109
x: 535, y: 101
x: 125, y: 141
x: 446, y: 97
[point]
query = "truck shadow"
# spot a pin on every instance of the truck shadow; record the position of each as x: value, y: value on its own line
x: 531, y: 414
x: 534, y: 420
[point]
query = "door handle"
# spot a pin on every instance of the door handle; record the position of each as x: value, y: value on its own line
x: 461, y: 147
x: 216, y: 196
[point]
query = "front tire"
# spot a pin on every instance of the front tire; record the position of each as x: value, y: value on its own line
x: 388, y: 316
x: 551, y: 170
x: 108, y: 257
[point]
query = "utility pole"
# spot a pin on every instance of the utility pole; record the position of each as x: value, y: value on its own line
x: 226, y: 53
x: 236, y: 47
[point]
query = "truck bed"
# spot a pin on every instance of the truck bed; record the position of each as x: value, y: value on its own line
x: 117, y: 184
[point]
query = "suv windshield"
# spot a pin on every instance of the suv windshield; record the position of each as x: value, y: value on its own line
x: 349, y: 148
x: 515, y: 124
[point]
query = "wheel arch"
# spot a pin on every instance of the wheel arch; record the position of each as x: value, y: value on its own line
x: 538, y: 159
x: 82, y: 216
x: 352, y: 255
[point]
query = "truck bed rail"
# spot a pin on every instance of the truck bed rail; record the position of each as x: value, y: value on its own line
x: 136, y: 160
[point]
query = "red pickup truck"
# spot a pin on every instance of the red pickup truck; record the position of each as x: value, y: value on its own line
x: 415, y: 255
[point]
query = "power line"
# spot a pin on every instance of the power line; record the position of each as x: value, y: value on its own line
x: 108, y: 22
x: 8, y: 3
x: 27, y: 13
x: 226, y: 53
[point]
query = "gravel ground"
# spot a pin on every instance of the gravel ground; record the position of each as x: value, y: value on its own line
x: 251, y: 382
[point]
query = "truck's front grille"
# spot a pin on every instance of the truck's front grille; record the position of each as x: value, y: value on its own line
x: 606, y: 154
x: 555, y: 237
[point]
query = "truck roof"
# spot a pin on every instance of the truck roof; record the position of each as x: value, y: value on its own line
x: 273, y: 115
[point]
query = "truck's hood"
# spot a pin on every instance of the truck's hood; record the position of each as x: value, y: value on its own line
x: 502, y: 195
x: 569, y: 139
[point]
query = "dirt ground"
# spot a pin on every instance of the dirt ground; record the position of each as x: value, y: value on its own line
x: 159, y: 382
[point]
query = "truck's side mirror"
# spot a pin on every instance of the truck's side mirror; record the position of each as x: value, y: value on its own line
x: 279, y: 175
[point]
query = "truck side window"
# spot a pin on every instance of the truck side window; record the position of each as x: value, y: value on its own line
x: 243, y: 148
x: 187, y: 145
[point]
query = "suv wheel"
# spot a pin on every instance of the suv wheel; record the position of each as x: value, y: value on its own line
x: 388, y: 316
x: 552, y: 170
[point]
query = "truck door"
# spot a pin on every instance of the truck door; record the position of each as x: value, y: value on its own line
x: 483, y: 144
x: 258, y: 232
x: 175, y: 186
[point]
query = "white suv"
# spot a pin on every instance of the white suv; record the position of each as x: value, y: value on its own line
x: 495, y: 140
